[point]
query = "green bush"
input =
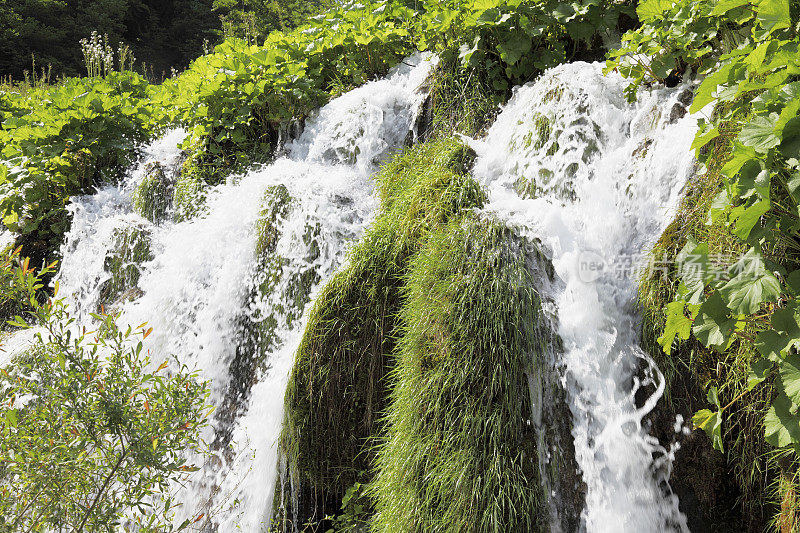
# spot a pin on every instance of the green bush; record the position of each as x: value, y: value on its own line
x: 80, y: 134
x: 90, y: 436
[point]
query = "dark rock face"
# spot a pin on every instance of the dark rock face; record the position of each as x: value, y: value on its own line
x: 700, y: 476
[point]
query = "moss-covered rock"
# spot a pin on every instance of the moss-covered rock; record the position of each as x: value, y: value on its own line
x: 280, y: 291
x: 460, y: 452
x: 188, y: 197
x: 337, y: 390
x: 153, y: 195
x: 123, y: 264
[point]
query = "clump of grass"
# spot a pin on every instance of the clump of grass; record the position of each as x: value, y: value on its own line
x: 338, y: 386
x: 459, y: 454
x: 461, y: 100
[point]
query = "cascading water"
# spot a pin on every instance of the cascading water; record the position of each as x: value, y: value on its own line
x: 570, y: 162
x: 226, y: 291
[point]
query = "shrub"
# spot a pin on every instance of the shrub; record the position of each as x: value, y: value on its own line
x: 91, y: 436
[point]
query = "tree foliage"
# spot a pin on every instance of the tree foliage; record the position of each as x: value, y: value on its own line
x: 91, y: 435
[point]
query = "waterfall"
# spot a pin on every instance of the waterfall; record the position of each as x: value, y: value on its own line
x: 596, y: 179
x: 226, y: 291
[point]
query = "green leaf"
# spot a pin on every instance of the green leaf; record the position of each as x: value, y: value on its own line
x: 772, y: 344
x: 790, y: 141
x: 758, y: 372
x: 747, y: 220
x: 759, y: 134
x: 723, y: 6
x: 751, y: 285
x: 713, y: 325
x: 704, y: 137
x: 693, y: 269
x: 711, y: 423
x: 651, y: 10
x: 677, y: 325
x: 789, y: 369
x: 773, y: 14
x: 11, y: 417
x: 781, y: 424
x: 713, y: 396
x: 793, y: 282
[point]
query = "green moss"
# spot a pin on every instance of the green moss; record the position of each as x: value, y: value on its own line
x: 123, y: 263
x: 286, y: 289
x: 152, y: 197
x: 460, y: 452
x: 461, y: 101
x: 338, y: 389
x: 190, y: 188
x: 189, y: 197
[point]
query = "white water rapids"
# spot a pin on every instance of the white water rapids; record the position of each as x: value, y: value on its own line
x: 568, y: 162
x: 199, y: 290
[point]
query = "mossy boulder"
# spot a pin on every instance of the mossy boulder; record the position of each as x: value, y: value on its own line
x: 153, y: 195
x: 188, y: 197
x: 286, y: 286
x: 123, y: 263
x: 338, y: 389
x: 459, y: 452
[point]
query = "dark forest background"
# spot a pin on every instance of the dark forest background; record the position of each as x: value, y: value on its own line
x: 163, y: 34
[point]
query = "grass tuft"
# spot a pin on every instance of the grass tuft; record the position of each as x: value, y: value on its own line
x: 459, y: 454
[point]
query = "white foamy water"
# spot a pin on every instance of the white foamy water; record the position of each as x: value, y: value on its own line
x: 569, y: 161
x: 202, y: 286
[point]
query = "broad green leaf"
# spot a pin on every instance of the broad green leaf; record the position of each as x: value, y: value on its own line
x: 758, y: 372
x: 789, y: 369
x: 759, y: 134
x: 713, y: 325
x: 749, y: 218
x: 693, y: 269
x: 773, y: 14
x: 781, y: 424
x: 703, y: 138
x: 723, y: 6
x: 713, y: 396
x: 750, y: 285
x: 772, y: 344
x: 793, y: 282
x: 711, y: 423
x: 650, y: 10
x: 790, y: 141
x: 677, y: 325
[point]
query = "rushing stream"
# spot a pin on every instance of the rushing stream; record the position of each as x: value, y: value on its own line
x: 568, y: 162
x: 219, y: 306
